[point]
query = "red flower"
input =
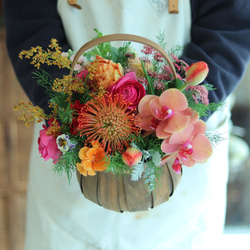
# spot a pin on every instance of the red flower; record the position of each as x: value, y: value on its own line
x: 77, y: 108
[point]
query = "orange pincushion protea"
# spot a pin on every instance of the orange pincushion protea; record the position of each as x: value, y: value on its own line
x: 92, y: 159
x: 107, y: 120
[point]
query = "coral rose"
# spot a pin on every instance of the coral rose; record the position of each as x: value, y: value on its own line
x: 129, y: 88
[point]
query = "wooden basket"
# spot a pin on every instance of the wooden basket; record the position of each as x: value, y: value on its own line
x: 123, y: 194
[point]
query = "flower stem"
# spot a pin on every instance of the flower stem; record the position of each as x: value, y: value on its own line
x: 150, y: 85
x: 183, y: 87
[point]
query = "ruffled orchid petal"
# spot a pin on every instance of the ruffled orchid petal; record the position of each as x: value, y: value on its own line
x: 189, y: 161
x: 176, y: 123
x: 160, y: 133
x: 144, y: 105
x: 174, y: 99
x: 202, y: 148
x: 168, y: 148
x: 200, y: 127
x: 194, y: 116
x: 182, y: 136
x: 144, y: 122
x: 158, y: 111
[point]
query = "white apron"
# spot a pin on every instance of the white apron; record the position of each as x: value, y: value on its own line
x: 60, y: 218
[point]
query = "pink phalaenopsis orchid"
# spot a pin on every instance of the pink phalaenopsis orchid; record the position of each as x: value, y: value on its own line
x: 189, y: 146
x: 196, y: 73
x: 165, y: 114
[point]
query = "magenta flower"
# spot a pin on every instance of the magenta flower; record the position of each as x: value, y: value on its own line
x: 47, y: 146
x: 129, y: 88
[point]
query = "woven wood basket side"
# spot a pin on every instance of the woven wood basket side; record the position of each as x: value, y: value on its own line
x: 123, y: 194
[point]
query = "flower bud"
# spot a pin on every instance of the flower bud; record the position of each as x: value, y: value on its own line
x: 131, y: 156
x: 197, y: 73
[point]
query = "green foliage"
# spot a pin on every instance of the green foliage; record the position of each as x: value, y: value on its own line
x: 67, y: 163
x: 45, y: 80
x: 152, y: 176
x: 107, y: 51
x: 204, y: 110
x: 117, y: 166
x: 176, y: 83
x: 215, y: 138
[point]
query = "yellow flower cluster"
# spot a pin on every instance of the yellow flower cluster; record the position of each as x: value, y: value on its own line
x: 54, y: 129
x: 30, y: 113
x: 53, y: 56
x: 68, y: 85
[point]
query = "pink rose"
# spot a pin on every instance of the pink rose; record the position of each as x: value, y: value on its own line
x: 47, y: 146
x: 129, y: 88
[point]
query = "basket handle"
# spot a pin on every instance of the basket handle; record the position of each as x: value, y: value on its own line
x: 123, y: 37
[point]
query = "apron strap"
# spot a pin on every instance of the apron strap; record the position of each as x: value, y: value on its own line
x: 74, y: 4
x: 172, y: 5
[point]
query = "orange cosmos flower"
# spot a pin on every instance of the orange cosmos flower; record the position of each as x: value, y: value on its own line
x: 108, y: 120
x: 92, y: 159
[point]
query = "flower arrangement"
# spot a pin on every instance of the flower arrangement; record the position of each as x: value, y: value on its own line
x: 121, y: 112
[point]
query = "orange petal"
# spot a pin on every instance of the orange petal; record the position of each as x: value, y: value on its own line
x: 168, y: 148
x: 160, y: 133
x: 81, y: 169
x: 83, y: 153
x: 173, y: 99
x: 182, y: 136
x: 194, y: 116
x: 202, y: 148
x: 177, y: 123
x: 189, y: 162
x: 200, y: 127
x: 144, y: 105
x: 144, y: 122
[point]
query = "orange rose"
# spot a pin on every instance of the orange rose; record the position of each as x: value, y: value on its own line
x: 105, y: 72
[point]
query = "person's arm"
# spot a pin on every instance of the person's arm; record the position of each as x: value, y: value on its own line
x: 32, y: 23
x: 221, y: 37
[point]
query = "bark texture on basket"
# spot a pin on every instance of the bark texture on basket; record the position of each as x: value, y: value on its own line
x: 123, y: 194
